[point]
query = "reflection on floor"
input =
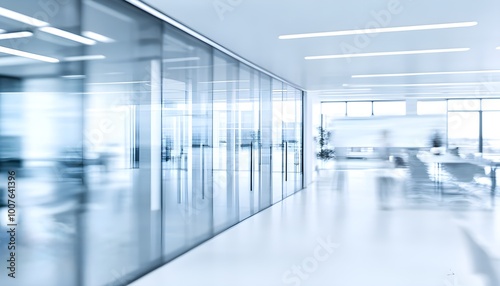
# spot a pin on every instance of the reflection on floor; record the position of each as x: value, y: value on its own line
x: 336, y: 233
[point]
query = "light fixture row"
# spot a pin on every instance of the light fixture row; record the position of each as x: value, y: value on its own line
x: 89, y: 38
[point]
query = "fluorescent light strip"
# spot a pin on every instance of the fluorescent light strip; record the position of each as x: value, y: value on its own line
x: 15, y: 35
x: 378, y: 54
x: 84, y: 58
x: 74, y: 76
x: 98, y: 37
x: 22, y: 18
x: 378, y: 30
x: 175, y: 60
x: 422, y: 84
x: 118, y: 82
x: 341, y: 90
x: 226, y: 81
x: 68, y: 35
x: 422, y: 73
x: 2, y: 31
x: 27, y: 55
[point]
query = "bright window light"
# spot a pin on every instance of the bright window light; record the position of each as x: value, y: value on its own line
x: 98, y: 37
x: 379, y: 30
x: 423, y: 73
x: 68, y: 35
x: 379, y: 54
x: 27, y: 55
x: 15, y: 35
x: 22, y: 18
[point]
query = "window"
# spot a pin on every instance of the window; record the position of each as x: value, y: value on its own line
x: 432, y: 107
x: 464, y: 104
x: 359, y: 108
x: 389, y: 108
x: 463, y: 131
x: 491, y: 134
x: 334, y: 109
x: 490, y: 104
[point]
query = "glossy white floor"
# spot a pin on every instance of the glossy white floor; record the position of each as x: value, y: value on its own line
x: 326, y: 235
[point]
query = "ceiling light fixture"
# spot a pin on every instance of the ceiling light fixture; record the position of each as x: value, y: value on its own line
x: 68, y: 35
x: 15, y: 35
x: 19, y: 53
x: 22, y: 18
x: 98, y: 37
x: 422, y: 74
x: 379, y: 54
x: 378, y: 30
x: 84, y: 58
x: 175, y: 60
x: 422, y: 84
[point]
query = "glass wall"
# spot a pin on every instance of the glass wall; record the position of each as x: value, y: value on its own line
x: 471, y: 123
x: 132, y: 141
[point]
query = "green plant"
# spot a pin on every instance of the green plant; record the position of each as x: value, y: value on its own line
x: 322, y: 140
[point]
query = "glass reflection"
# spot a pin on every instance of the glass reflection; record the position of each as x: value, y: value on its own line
x: 132, y: 144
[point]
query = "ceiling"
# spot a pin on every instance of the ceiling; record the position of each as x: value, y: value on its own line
x: 250, y: 28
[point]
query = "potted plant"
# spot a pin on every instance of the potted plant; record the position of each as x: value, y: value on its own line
x: 323, y: 138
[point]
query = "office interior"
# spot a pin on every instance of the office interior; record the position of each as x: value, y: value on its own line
x: 228, y: 142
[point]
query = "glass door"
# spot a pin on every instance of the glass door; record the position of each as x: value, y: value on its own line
x: 298, y: 167
x: 278, y: 143
x: 290, y: 140
x: 249, y: 141
x: 266, y: 189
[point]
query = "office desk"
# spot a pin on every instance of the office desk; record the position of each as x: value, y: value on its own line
x: 491, y: 162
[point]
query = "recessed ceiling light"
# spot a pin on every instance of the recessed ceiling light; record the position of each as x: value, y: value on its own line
x: 22, y: 18
x: 422, y: 84
x: 379, y: 54
x: 27, y: 55
x: 422, y: 73
x: 498, y: 48
x: 2, y: 31
x: 15, y: 35
x: 117, y: 82
x: 379, y: 30
x: 98, y: 37
x: 341, y: 90
x: 68, y: 35
x: 84, y: 58
x: 73, y: 76
x: 186, y: 59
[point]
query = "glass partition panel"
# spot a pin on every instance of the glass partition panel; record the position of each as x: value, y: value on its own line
x: 123, y: 150
x: 41, y: 103
x: 267, y: 192
x: 226, y: 134
x: 277, y: 153
x: 187, y: 141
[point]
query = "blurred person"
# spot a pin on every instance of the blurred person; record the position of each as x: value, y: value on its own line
x: 385, y: 176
